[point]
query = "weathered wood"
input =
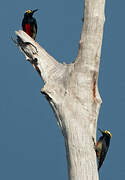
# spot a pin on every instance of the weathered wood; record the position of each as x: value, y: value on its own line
x: 72, y: 90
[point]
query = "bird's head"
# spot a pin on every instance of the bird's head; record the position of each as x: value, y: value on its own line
x: 30, y: 12
x: 106, y: 132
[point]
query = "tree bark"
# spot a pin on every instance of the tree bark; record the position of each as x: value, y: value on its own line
x: 72, y: 90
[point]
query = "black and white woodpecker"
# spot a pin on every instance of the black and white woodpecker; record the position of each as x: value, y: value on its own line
x: 102, y: 145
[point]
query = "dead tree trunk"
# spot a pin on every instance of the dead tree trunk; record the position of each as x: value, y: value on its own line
x: 72, y: 90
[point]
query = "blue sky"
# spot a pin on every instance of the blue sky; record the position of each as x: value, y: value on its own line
x: 31, y: 144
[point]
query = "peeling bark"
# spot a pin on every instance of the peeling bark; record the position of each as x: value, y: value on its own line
x: 72, y: 90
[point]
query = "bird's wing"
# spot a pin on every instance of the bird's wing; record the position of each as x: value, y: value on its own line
x: 102, y: 155
x: 36, y: 26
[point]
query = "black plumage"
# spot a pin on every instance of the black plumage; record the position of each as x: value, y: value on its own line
x: 102, y: 146
x: 29, y: 23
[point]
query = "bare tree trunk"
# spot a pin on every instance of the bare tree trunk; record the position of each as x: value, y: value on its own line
x: 72, y: 90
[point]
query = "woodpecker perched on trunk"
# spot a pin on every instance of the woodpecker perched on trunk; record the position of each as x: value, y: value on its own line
x: 29, y: 23
x: 102, y: 145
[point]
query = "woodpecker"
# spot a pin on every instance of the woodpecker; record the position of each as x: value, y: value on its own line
x: 102, y: 145
x: 29, y: 23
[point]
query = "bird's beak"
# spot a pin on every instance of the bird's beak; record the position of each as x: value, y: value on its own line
x: 34, y: 10
x: 100, y: 130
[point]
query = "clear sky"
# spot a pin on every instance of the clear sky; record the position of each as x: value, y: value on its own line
x: 31, y: 144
